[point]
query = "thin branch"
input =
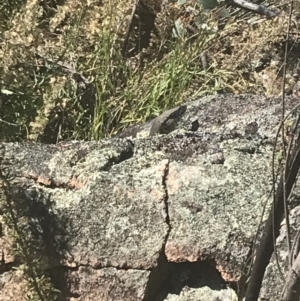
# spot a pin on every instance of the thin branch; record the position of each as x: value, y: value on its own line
x: 10, y: 123
x: 286, y: 213
x: 256, y: 8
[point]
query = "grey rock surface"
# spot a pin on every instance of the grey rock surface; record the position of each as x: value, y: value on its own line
x: 168, y: 217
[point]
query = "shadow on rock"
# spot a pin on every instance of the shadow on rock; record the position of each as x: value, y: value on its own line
x: 44, y: 233
x: 183, y: 276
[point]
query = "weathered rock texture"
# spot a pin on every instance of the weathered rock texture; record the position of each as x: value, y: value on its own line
x: 170, y: 217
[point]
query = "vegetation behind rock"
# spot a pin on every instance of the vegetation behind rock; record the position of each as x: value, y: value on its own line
x: 87, y: 69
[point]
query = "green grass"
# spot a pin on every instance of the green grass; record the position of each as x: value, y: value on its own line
x: 45, y: 102
x: 41, y: 101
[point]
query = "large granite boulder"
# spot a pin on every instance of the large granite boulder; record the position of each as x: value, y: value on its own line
x: 166, y: 217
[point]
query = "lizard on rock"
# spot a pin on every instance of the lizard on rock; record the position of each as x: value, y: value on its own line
x: 167, y: 121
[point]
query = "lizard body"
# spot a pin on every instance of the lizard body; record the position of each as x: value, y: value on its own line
x: 167, y: 121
